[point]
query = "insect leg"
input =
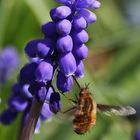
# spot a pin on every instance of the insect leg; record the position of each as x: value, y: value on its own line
x: 72, y: 108
x: 75, y: 102
x: 76, y: 82
x: 76, y: 97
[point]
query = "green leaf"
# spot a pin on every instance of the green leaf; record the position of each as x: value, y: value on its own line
x: 40, y: 10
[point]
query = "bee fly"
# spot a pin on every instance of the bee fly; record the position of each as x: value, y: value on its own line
x: 86, y: 108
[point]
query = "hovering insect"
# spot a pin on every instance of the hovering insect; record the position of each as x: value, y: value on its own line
x: 86, y: 108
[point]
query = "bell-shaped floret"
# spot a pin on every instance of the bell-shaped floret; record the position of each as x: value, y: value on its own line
x: 79, y: 23
x: 63, y: 27
x: 89, y: 16
x: 44, y: 71
x: 67, y: 64
x: 60, y: 12
x: 49, y: 29
x: 55, y: 103
x: 64, y: 44
x: 27, y: 73
x: 64, y: 83
x: 79, y: 73
x: 80, y: 51
x: 79, y: 37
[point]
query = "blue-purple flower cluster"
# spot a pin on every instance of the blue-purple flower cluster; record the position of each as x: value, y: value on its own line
x: 59, y: 54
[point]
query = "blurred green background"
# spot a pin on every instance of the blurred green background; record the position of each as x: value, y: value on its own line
x: 112, y: 67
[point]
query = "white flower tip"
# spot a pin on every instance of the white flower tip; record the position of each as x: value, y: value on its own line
x: 80, y: 76
x: 48, y: 120
x: 37, y: 131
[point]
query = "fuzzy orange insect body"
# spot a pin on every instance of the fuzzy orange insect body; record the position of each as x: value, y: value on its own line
x: 85, y: 114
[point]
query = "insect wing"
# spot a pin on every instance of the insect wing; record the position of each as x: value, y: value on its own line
x: 116, y: 110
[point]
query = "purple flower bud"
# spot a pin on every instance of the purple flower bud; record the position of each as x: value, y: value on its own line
x: 67, y: 64
x: 89, y: 16
x: 60, y: 12
x: 49, y: 29
x: 17, y: 103
x: 44, y: 71
x: 64, y: 44
x: 45, y: 47
x: 40, y: 47
x: 85, y: 3
x: 55, y: 104
x: 45, y: 112
x: 80, y: 52
x: 79, y: 23
x: 95, y: 4
x: 41, y: 94
x: 79, y: 73
x: 137, y: 135
x: 27, y: 73
x: 8, y: 116
x: 64, y: 83
x: 81, y: 3
x: 80, y: 37
x: 63, y: 27
x: 31, y: 48
x: 65, y: 2
x: 25, y: 91
x: 16, y: 88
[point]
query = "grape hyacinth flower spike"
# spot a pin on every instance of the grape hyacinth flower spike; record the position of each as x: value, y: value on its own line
x: 54, y: 61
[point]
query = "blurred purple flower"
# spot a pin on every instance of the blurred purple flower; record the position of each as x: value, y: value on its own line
x: 9, y: 61
x: 8, y: 116
x: 17, y: 103
x: 137, y: 135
